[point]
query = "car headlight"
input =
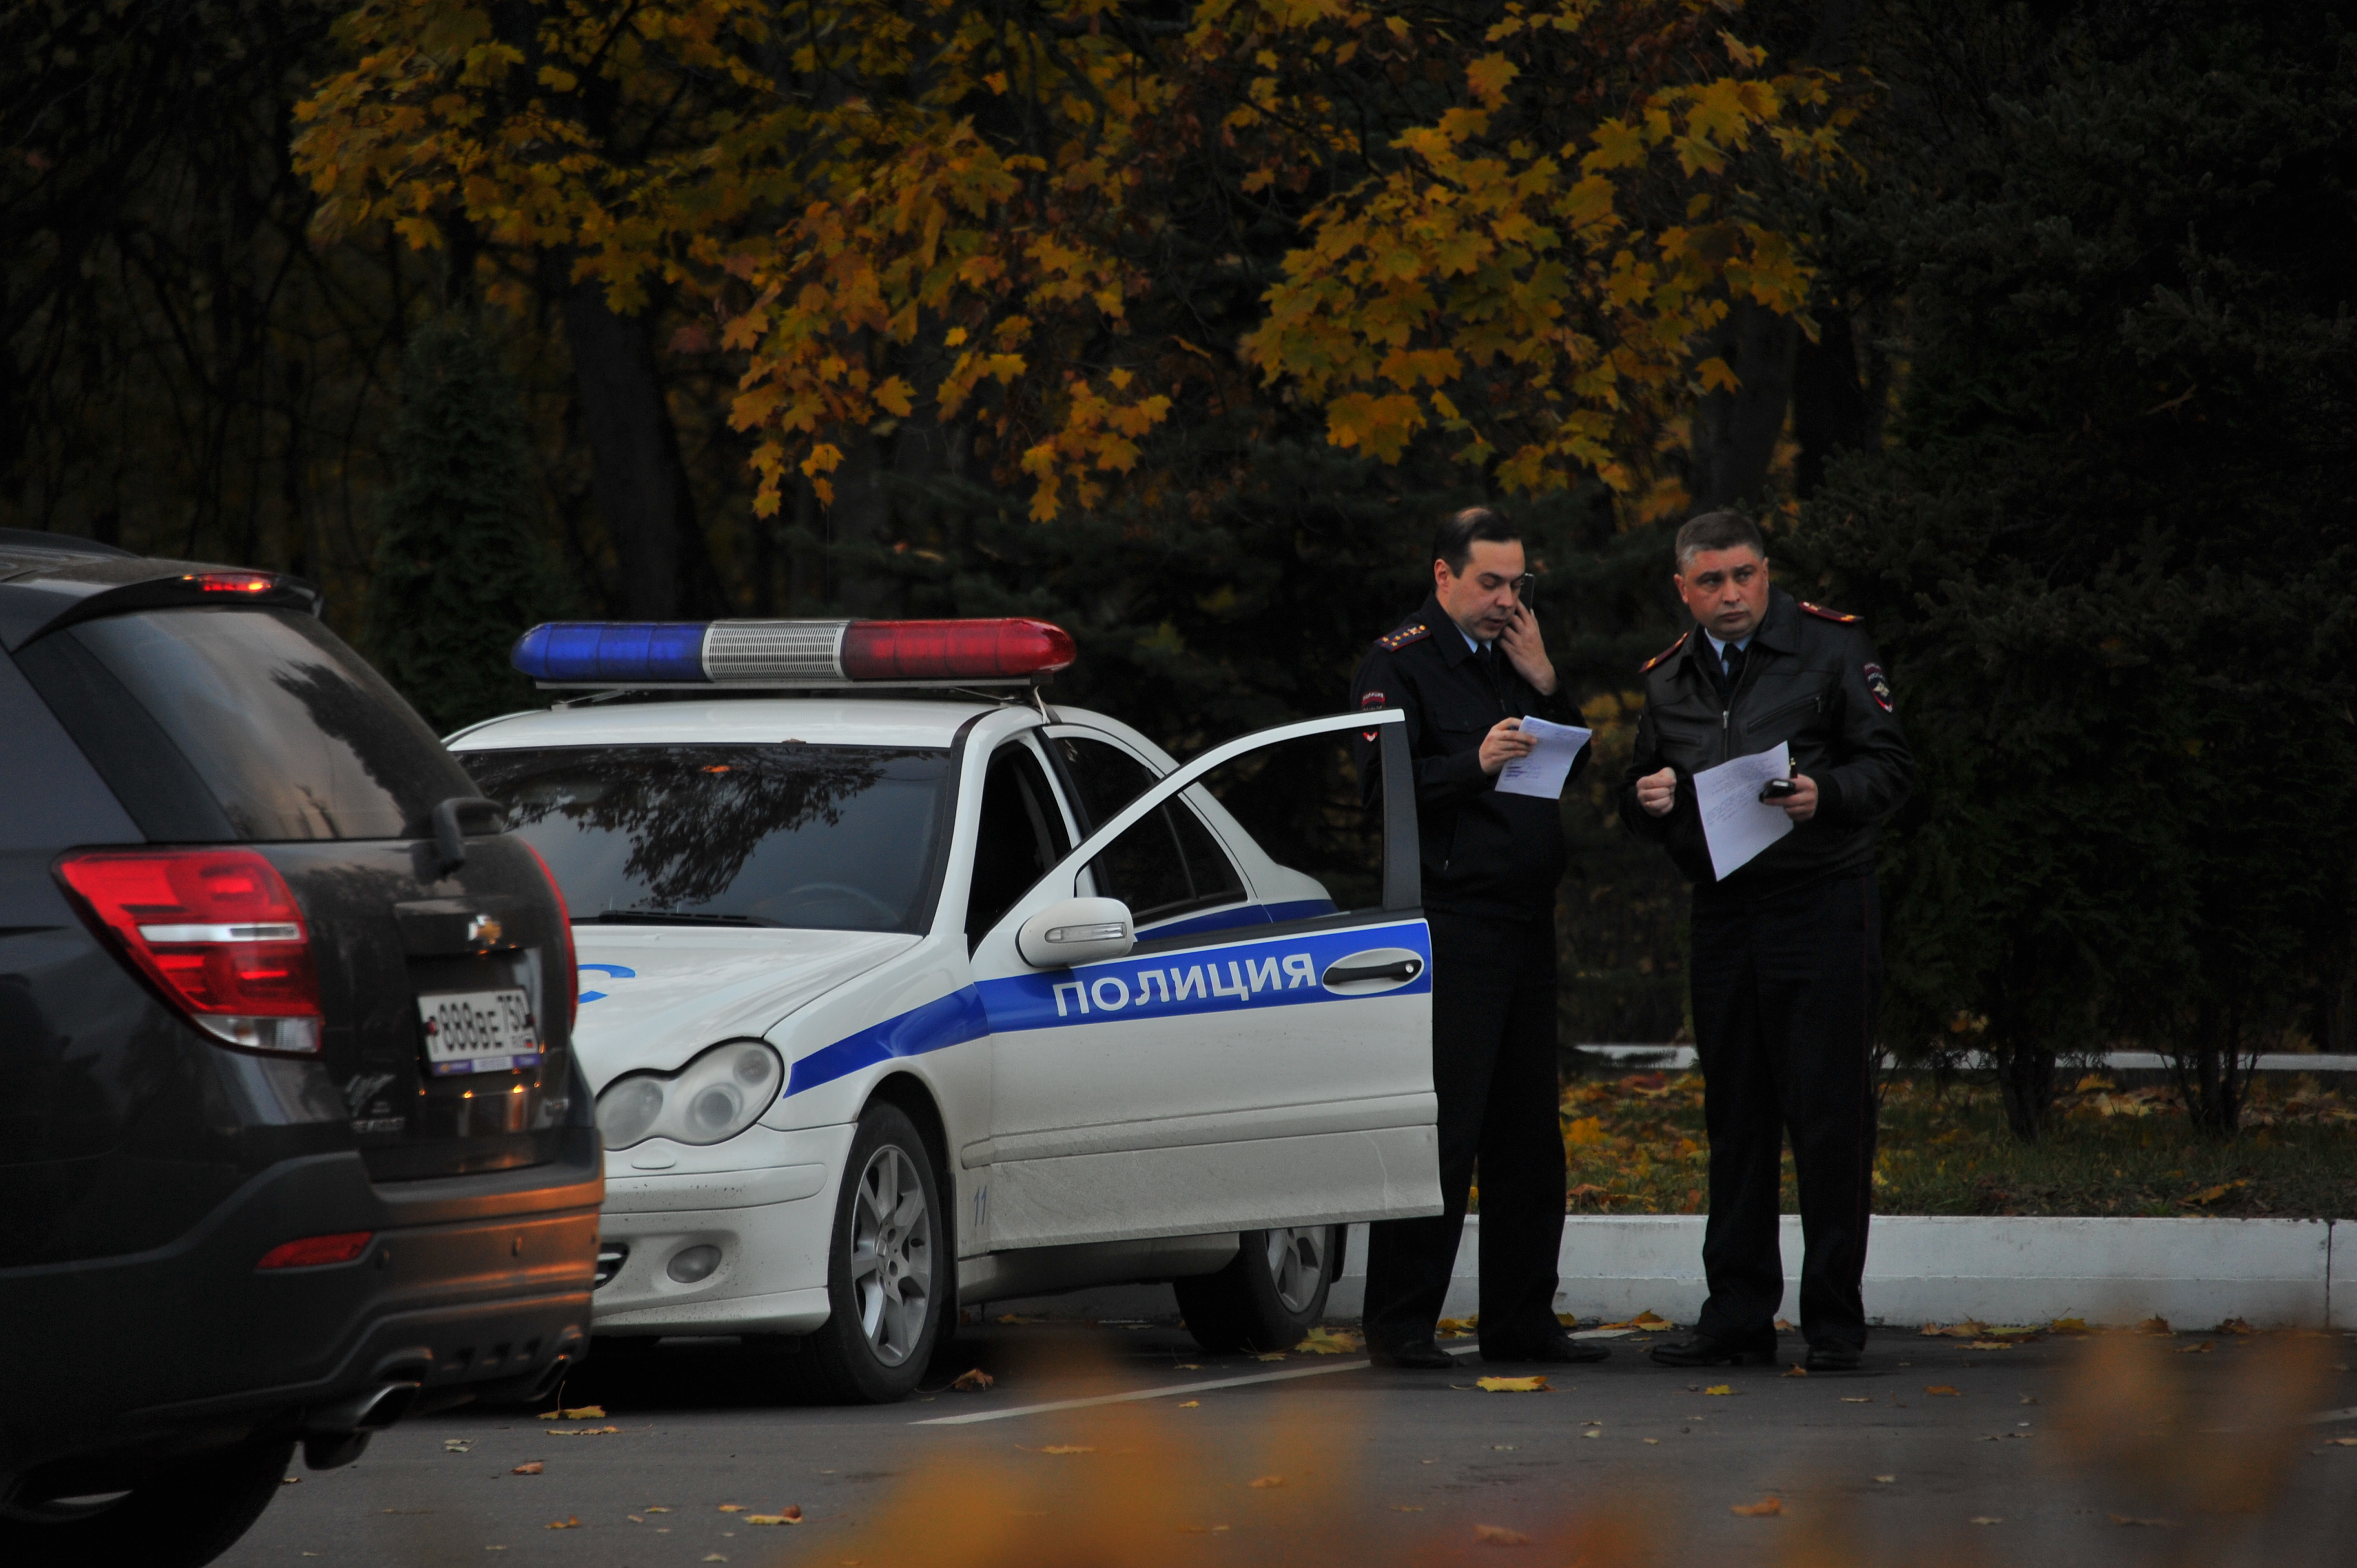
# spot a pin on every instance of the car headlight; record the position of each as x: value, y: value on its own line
x: 713, y: 1098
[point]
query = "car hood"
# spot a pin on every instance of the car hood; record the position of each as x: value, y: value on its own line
x: 651, y: 998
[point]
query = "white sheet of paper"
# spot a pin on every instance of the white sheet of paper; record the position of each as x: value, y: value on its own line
x: 1736, y: 823
x: 1542, y: 773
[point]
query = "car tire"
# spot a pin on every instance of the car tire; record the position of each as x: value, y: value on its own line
x: 1272, y: 1292
x: 180, y: 1517
x: 890, y: 1280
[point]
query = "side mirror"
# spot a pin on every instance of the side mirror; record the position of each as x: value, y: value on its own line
x: 1077, y: 931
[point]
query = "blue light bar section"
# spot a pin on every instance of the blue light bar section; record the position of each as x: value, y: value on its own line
x: 613, y: 651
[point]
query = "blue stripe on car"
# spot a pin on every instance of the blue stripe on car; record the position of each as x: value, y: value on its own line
x: 1277, y: 972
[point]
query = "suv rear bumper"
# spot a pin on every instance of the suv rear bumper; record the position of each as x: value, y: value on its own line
x: 470, y: 1284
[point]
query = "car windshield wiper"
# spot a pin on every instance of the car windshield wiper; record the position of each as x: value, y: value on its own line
x: 667, y: 918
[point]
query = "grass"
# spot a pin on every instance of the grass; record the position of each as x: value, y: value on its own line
x: 1636, y: 1145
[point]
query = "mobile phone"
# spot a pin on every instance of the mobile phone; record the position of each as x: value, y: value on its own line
x: 1778, y: 789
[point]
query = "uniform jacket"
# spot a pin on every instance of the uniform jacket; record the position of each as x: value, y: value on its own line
x: 1484, y: 852
x: 1811, y: 678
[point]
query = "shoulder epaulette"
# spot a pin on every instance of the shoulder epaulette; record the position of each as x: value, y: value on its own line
x: 1402, y: 636
x: 1824, y: 613
x: 1665, y: 653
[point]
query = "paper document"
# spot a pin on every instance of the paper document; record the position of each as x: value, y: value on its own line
x: 1542, y: 773
x: 1736, y: 823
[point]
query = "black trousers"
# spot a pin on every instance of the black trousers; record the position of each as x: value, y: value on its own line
x: 1785, y: 992
x: 1494, y: 1072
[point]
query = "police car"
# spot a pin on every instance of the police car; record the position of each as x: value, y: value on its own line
x: 902, y: 987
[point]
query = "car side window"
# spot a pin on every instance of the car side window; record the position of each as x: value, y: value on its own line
x: 1166, y: 865
x: 1021, y: 835
x: 1105, y: 777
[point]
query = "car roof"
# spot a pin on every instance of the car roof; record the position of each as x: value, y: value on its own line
x: 817, y: 720
x: 48, y: 580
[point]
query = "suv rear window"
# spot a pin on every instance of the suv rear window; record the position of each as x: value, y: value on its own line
x: 823, y: 837
x: 290, y: 732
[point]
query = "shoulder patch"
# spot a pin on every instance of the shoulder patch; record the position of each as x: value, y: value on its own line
x: 1824, y: 613
x: 1402, y: 636
x: 1665, y: 653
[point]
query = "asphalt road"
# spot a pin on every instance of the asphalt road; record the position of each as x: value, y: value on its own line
x: 2111, y: 1450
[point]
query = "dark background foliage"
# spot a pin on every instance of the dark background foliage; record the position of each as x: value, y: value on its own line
x: 2070, y: 426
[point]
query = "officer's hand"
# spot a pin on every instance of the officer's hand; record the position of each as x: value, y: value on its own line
x: 1802, y: 803
x: 1525, y: 650
x: 1658, y: 792
x: 1504, y: 743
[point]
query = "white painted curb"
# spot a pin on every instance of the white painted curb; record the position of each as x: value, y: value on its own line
x: 2272, y: 1273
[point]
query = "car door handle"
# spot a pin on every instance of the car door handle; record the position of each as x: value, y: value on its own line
x: 1403, y: 969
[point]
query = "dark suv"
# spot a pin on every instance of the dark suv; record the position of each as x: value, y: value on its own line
x: 292, y: 1139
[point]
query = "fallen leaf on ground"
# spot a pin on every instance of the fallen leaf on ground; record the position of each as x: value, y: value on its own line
x: 971, y: 1380
x: 1783, y: 1325
x: 1950, y: 1391
x: 2153, y: 1523
x: 1068, y: 1448
x: 1499, y: 1535
x: 657, y: 1507
x: 2155, y: 1325
x: 1270, y: 1355
x: 1989, y: 1344
x: 1190, y: 1404
x: 732, y: 1507
x: 571, y: 1521
x: 2197, y: 1350
x: 2002, y: 1332
x: 455, y: 1444
x: 1983, y: 1518
x: 1653, y: 1441
x: 1591, y: 1434
x: 1323, y: 1341
x: 714, y: 1557
x: 1964, y: 1330
x: 2233, y: 1325
x: 1857, y: 1398
x: 1885, y: 1480
x: 791, y: 1514
x: 582, y: 1431
x: 2341, y: 1442
x: 2068, y: 1325
x: 587, y: 1412
x: 1531, y: 1385
x: 290, y: 1480
x: 1188, y: 1367
x: 1796, y: 1370
x: 2212, y: 1194
x: 1265, y: 1482
x: 1720, y: 1389
x: 528, y: 1469
x: 1454, y: 1328
x: 1766, y: 1507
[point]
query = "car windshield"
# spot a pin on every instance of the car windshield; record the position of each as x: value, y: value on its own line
x: 838, y: 838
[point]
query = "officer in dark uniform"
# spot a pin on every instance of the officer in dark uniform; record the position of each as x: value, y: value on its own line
x: 1787, y: 961
x: 1467, y: 667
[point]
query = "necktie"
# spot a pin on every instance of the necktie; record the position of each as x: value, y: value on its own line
x: 1734, y: 670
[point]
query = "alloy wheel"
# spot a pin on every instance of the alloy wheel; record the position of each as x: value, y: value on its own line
x: 891, y: 1255
x: 1296, y: 1264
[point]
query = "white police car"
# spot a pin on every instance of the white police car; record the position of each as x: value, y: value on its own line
x: 899, y: 999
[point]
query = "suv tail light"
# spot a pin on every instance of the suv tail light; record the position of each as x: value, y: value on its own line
x: 217, y: 930
x: 571, y: 958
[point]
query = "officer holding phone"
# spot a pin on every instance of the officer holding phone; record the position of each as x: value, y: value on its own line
x: 1786, y: 953
x: 1468, y: 667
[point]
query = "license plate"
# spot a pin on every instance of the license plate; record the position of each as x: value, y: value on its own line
x: 479, y: 1031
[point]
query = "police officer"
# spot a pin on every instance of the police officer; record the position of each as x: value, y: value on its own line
x: 1467, y: 667
x: 1786, y: 952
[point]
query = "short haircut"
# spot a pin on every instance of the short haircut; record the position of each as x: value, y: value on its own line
x: 1718, y: 530
x: 1454, y: 540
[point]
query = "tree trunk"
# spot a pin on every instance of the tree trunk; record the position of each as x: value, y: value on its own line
x: 638, y: 482
x: 1735, y: 431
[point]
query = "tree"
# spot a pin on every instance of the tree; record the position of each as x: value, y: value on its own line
x: 460, y: 572
x: 2106, y: 554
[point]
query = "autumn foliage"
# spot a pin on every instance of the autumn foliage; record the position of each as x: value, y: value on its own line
x: 1501, y: 228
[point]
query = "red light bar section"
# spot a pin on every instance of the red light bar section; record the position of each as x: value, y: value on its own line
x: 313, y: 1252
x: 952, y: 649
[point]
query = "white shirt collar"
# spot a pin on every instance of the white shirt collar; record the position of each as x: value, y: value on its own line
x: 1718, y: 645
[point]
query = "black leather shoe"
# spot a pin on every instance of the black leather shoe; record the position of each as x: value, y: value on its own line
x: 1835, y: 1355
x: 1421, y: 1354
x: 1562, y: 1348
x: 1709, y: 1351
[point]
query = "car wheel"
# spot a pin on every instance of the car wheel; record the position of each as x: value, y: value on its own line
x: 1270, y: 1294
x: 890, y: 1276
x: 180, y: 1518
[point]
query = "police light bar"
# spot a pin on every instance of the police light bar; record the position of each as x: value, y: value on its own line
x: 791, y: 653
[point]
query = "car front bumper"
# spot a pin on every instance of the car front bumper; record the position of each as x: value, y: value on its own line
x: 769, y: 1213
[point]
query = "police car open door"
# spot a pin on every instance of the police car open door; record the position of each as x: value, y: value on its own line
x: 1263, y: 1055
